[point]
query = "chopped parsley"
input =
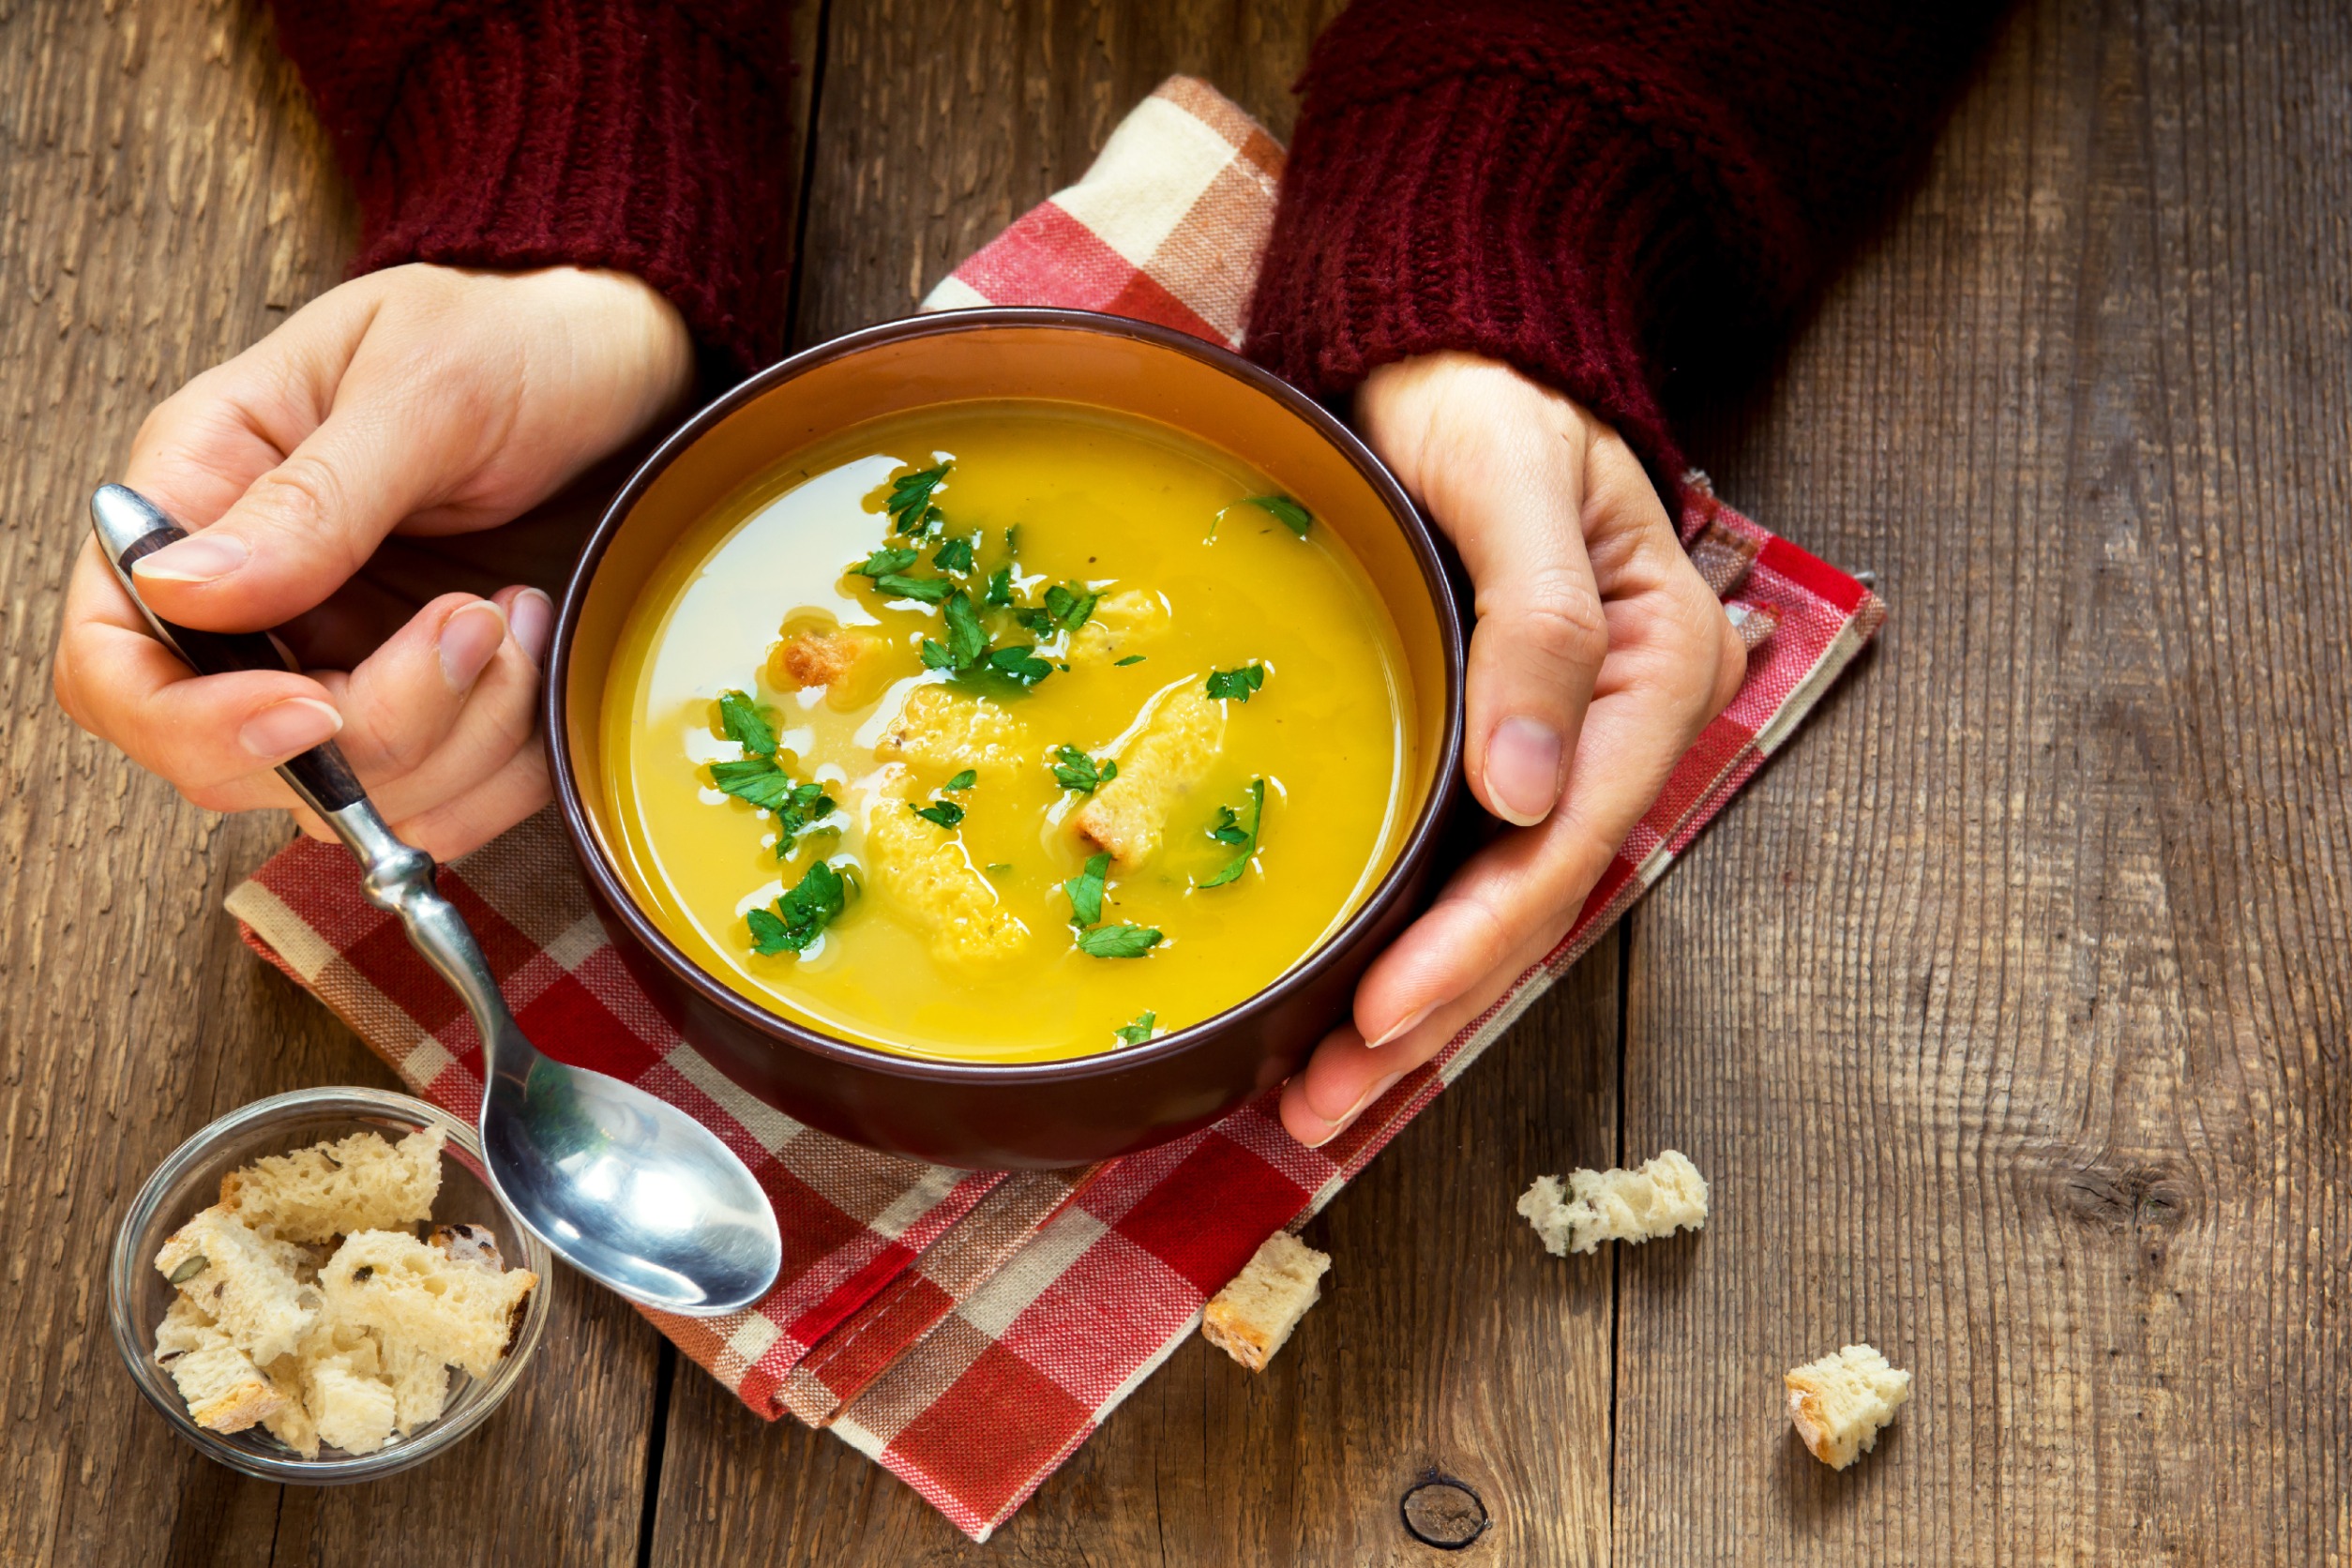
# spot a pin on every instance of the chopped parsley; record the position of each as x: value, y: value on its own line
x: 946, y: 813
x: 887, y: 563
x: 963, y: 780
x: 1075, y: 770
x: 930, y: 590
x: 799, y: 917
x: 999, y: 587
x: 1086, y: 891
x: 1229, y: 829
x: 1122, y: 663
x: 953, y: 556
x: 967, y: 638
x: 760, y: 779
x: 1288, y: 513
x: 739, y: 718
x: 1118, y: 942
x: 1138, y: 1032
x: 1068, y: 605
x: 996, y: 865
x: 908, y: 503
x: 1237, y: 683
x: 1021, y: 663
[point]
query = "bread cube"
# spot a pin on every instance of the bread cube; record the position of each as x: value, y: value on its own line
x: 412, y: 1296
x: 1665, y: 1195
x: 1123, y: 623
x: 245, y: 1282
x: 360, y: 1183
x: 1179, y: 745
x: 224, y: 1390
x: 292, y: 1423
x: 352, y: 1410
x: 1841, y: 1402
x: 1253, y: 1316
x: 923, y: 869
x: 949, y: 731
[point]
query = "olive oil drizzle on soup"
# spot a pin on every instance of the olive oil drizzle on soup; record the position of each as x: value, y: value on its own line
x: 1067, y: 734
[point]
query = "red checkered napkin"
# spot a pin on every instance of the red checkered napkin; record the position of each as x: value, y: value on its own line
x: 969, y: 1329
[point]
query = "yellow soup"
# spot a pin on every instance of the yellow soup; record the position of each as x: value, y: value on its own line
x: 1007, y: 731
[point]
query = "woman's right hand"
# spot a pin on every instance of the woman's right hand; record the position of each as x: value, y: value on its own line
x: 420, y: 399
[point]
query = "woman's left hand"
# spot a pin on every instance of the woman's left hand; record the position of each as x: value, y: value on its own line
x: 1599, y: 655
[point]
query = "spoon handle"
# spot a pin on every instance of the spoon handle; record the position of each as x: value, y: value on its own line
x: 400, y: 877
x: 130, y: 527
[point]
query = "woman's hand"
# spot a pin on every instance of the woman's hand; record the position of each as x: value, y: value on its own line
x: 420, y: 399
x: 1598, y: 656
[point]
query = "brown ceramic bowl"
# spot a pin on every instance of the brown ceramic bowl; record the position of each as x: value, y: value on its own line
x: 1043, y: 1113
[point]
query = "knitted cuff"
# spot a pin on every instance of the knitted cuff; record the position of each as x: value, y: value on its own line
x: 626, y: 134
x: 1485, y: 195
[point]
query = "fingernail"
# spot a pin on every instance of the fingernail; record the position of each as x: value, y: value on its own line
x: 469, y: 639
x: 297, y: 724
x: 199, y: 558
x: 532, y: 618
x: 1347, y: 1117
x: 1523, y: 770
x: 1401, y: 1028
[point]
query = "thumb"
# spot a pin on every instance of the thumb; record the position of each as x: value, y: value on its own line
x: 303, y: 527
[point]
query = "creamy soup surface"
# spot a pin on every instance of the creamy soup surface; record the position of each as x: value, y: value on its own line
x: 1007, y: 731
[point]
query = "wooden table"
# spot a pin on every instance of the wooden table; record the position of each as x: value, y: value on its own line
x: 2007, y: 1012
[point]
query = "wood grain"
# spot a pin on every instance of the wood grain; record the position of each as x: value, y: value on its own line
x: 2008, y: 1012
x: 1448, y: 1342
x: 168, y: 200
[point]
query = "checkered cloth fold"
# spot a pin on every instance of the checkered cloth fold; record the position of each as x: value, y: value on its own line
x: 970, y: 1329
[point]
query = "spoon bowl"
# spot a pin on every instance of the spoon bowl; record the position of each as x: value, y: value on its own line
x: 626, y: 1187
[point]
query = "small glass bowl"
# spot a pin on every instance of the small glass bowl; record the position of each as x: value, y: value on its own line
x: 190, y: 1180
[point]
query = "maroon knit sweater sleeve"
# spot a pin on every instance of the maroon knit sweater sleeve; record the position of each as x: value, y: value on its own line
x: 648, y: 136
x: 1591, y: 191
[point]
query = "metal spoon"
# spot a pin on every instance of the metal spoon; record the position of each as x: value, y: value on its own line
x: 626, y: 1187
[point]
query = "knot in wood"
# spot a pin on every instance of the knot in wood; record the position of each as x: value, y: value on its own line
x: 1443, y: 1512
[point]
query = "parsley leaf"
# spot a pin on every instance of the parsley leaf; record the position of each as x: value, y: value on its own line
x: 1237, y: 683
x: 1229, y: 829
x: 739, y: 717
x: 757, y: 779
x: 800, y: 915
x: 946, y: 813
x: 1122, y: 663
x: 967, y: 639
x: 809, y: 806
x: 1000, y: 587
x: 1078, y: 771
x: 1069, y: 606
x: 953, y: 556
x: 1086, y: 891
x: 908, y: 503
x: 1021, y: 663
x: 1286, y: 511
x: 1118, y: 942
x: 930, y: 590
x: 1033, y: 621
x: 963, y: 780
x: 1138, y: 1032
x: 884, y: 563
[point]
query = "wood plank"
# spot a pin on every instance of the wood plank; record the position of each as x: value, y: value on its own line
x: 1448, y: 1342
x: 2008, y: 1013
x: 943, y: 122
x: 169, y: 200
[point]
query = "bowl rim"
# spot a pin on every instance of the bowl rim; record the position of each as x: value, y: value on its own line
x: 1420, y: 843
x: 126, y: 1269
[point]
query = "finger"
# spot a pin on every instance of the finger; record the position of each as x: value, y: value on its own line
x: 1510, y: 492
x: 200, y: 449
x: 1527, y: 887
x: 215, y: 737
x: 458, y: 827
x: 1346, y: 1076
x: 306, y: 525
x: 480, y: 684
